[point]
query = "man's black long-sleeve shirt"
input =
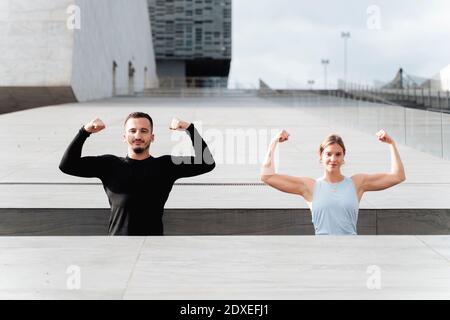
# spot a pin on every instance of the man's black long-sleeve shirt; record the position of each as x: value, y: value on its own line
x: 137, y: 190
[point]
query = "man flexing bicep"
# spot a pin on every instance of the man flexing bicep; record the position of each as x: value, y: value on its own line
x: 72, y: 163
x: 202, y: 162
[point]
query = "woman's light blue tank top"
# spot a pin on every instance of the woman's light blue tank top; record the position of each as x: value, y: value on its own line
x: 334, y: 208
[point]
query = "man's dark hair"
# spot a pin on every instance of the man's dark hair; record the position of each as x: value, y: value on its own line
x: 136, y: 115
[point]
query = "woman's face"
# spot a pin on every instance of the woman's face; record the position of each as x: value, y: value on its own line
x: 332, y: 157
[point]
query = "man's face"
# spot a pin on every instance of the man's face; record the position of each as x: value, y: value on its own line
x: 138, y: 134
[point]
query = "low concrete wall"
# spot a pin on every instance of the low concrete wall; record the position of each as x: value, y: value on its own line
x: 68, y: 222
x: 21, y: 98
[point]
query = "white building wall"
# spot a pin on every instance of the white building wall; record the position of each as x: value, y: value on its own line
x: 35, y: 44
x: 119, y: 31
x: 44, y: 61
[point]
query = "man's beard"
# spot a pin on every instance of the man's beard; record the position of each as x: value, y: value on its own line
x: 139, y: 150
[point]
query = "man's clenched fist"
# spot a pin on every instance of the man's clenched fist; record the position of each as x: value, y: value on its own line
x: 94, y: 126
x: 178, y: 124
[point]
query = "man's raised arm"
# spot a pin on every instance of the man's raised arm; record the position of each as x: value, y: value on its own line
x: 203, y: 160
x: 72, y: 163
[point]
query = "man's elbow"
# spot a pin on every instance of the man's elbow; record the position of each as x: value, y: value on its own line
x: 209, y: 162
x: 211, y: 167
x: 65, y: 168
x: 62, y: 167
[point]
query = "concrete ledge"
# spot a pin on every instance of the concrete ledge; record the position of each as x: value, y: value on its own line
x: 21, y: 98
x: 71, y: 222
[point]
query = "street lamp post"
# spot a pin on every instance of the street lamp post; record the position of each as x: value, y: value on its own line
x: 311, y: 83
x: 325, y: 62
x: 345, y: 36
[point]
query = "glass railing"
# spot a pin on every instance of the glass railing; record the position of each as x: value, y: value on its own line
x: 413, y: 97
x: 189, y: 86
x: 422, y: 128
x: 416, y: 117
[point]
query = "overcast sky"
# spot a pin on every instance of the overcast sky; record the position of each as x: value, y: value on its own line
x: 283, y: 41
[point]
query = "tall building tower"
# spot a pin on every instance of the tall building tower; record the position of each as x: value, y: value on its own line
x: 192, y: 39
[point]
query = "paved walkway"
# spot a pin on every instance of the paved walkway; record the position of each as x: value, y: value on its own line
x: 33, y: 142
x: 229, y: 268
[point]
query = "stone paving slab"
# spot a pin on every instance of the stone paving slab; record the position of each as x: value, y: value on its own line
x: 288, y: 268
x: 225, y: 267
x: 42, y: 267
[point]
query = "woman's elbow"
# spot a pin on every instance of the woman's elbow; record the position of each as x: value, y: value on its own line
x: 265, y: 178
x: 400, y: 178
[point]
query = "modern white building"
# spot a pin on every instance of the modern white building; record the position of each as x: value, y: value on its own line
x: 73, y: 50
